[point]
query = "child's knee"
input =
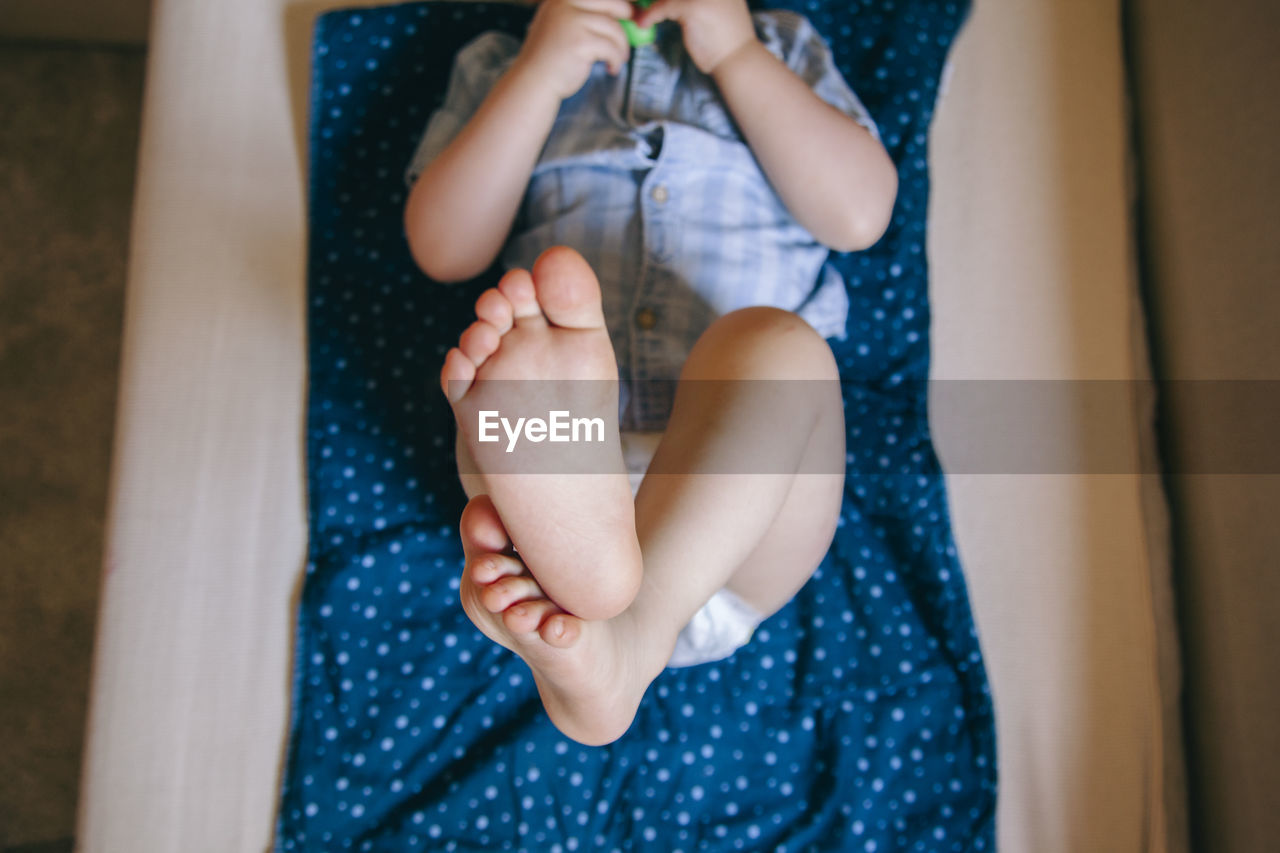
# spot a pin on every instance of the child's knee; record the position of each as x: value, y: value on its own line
x: 763, y: 343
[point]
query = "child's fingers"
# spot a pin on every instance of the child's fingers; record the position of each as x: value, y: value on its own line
x: 618, y: 9
x: 663, y: 10
x: 610, y: 46
x: 608, y: 28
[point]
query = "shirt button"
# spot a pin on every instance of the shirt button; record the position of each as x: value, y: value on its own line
x: 659, y: 194
x: 646, y: 319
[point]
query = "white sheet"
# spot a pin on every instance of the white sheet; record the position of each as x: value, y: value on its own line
x: 1032, y: 278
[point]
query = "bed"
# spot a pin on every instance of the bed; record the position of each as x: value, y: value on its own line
x: 1032, y: 279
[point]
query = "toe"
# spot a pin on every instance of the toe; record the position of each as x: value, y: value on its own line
x: 494, y: 309
x: 567, y: 289
x: 527, y: 616
x: 504, y: 592
x: 517, y: 287
x: 457, y: 375
x: 479, y: 341
x: 481, y: 529
x: 487, y: 568
x: 560, y: 630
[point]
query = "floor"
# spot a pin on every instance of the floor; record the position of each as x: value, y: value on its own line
x: 69, y: 120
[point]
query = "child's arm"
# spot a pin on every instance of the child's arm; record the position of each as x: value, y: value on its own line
x: 830, y: 172
x: 462, y: 206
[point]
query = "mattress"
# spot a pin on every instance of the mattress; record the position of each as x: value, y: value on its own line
x: 1032, y: 280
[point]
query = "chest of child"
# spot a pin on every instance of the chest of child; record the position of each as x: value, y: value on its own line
x: 649, y: 179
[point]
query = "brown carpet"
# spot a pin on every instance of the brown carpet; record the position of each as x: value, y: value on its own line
x: 68, y: 145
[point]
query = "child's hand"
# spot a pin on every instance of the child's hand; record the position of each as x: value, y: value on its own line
x: 567, y: 37
x: 713, y: 30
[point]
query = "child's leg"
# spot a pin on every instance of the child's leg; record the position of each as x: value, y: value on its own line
x: 759, y: 405
x: 760, y: 525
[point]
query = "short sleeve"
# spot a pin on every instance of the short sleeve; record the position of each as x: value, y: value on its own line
x: 475, y: 69
x: 793, y: 39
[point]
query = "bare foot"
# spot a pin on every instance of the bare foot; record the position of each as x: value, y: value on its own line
x: 591, y: 676
x: 574, y: 531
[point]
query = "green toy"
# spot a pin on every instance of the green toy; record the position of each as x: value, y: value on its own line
x: 637, y: 36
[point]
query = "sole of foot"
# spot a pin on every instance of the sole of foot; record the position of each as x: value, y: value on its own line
x: 539, y: 344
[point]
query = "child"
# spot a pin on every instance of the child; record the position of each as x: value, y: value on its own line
x: 701, y: 192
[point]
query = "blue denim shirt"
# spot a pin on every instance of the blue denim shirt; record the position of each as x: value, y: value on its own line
x: 658, y: 191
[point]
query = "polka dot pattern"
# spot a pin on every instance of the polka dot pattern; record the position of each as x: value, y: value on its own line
x: 858, y: 718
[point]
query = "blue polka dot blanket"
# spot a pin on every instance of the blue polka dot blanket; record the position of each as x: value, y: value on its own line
x: 857, y: 718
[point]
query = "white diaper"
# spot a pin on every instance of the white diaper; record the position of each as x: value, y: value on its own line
x: 726, y: 622
x: 723, y: 625
x: 637, y: 452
